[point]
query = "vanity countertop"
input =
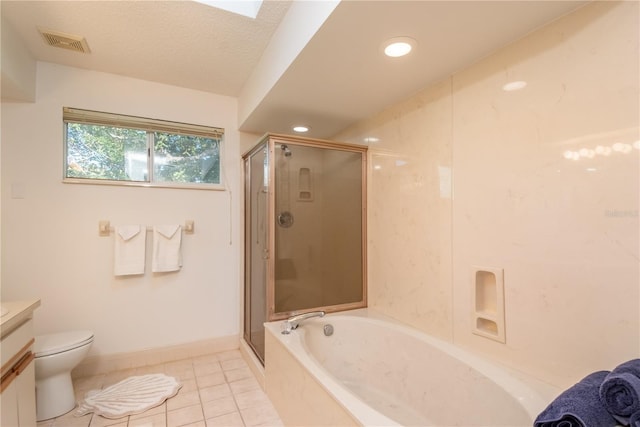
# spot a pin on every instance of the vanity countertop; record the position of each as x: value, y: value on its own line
x: 18, y: 312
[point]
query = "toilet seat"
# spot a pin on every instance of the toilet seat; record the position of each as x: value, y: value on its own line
x: 47, y: 345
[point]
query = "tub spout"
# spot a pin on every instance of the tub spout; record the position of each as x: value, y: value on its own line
x: 294, y: 321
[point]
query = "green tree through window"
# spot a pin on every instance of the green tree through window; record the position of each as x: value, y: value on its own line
x: 183, y: 158
x: 101, y: 152
x: 97, y: 150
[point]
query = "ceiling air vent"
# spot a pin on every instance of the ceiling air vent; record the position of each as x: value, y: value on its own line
x: 65, y: 41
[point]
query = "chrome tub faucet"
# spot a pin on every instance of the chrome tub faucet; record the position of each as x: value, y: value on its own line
x: 294, y: 321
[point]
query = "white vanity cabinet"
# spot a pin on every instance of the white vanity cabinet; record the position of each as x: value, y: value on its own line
x: 18, y: 384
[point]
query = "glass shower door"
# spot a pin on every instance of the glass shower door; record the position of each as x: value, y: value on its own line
x: 305, y: 231
x: 256, y: 167
x: 318, y: 258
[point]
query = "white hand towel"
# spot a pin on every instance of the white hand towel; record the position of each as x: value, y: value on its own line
x: 130, y: 242
x: 167, y: 254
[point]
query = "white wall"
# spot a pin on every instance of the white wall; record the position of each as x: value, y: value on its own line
x: 50, y: 244
x: 566, y: 232
x: 299, y: 25
x: 18, y: 73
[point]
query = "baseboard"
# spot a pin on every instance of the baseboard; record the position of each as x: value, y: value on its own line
x: 102, y: 364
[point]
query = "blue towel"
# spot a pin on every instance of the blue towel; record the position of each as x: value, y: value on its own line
x: 578, y: 406
x: 634, y: 421
x: 620, y: 391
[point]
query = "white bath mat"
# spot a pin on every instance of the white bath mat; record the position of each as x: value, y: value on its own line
x: 131, y: 396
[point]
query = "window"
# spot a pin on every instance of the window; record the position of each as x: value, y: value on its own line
x: 117, y: 149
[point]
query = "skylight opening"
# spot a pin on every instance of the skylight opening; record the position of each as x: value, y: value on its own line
x: 248, y: 8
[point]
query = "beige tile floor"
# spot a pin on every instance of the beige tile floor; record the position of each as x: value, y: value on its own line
x: 217, y: 390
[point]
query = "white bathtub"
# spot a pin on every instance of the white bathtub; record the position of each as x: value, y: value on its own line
x: 383, y: 373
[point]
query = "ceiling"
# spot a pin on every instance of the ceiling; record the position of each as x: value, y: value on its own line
x: 339, y: 77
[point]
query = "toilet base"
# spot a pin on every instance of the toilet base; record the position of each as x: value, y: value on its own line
x: 54, y: 396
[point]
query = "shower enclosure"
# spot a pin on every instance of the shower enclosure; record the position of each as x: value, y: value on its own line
x: 304, y: 230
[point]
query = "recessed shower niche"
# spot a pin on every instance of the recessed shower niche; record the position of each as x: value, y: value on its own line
x: 305, y: 230
x: 488, y: 303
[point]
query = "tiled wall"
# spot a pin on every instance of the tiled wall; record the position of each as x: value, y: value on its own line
x: 409, y: 220
x: 542, y: 182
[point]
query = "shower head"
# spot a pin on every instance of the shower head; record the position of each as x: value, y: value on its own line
x: 287, y: 151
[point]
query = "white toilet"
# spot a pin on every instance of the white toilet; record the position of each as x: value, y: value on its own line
x: 56, y: 355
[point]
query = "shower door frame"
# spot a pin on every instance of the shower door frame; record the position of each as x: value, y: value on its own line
x: 246, y: 173
x: 272, y: 140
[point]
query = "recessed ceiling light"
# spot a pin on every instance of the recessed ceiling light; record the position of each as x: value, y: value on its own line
x: 517, y: 85
x: 301, y: 129
x: 399, y: 46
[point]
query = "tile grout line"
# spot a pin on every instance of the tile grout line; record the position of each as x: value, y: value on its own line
x: 166, y: 403
x: 235, y: 401
x: 195, y: 376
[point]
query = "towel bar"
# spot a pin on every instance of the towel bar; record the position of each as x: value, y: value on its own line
x: 105, y: 228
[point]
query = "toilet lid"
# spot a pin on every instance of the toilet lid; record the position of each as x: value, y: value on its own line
x: 47, y: 345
